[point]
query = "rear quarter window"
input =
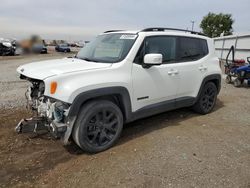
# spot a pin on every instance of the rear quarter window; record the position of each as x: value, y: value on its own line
x: 191, y: 49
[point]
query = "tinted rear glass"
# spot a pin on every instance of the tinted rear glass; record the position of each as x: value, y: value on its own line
x: 192, y: 48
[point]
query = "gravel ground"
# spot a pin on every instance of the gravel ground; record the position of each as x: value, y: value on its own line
x: 173, y: 149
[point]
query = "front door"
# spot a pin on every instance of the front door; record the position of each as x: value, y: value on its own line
x: 157, y: 83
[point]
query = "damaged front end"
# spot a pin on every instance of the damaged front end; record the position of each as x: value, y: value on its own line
x: 51, y: 115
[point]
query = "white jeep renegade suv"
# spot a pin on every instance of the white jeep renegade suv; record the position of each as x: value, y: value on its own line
x: 119, y: 77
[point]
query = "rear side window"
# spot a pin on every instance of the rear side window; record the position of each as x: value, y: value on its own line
x: 192, y: 49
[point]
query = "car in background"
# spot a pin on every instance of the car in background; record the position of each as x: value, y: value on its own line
x: 80, y: 44
x: 62, y: 48
x: 39, y: 49
x: 6, y: 47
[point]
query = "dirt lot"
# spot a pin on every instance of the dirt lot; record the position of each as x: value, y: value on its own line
x: 174, y: 149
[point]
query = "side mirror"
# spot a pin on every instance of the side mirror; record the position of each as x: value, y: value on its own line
x: 153, y: 59
x: 248, y: 60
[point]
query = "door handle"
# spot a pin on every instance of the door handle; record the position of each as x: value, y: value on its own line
x: 176, y: 72
x: 202, y: 68
x: 173, y: 72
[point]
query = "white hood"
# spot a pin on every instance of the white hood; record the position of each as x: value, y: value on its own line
x: 44, y: 69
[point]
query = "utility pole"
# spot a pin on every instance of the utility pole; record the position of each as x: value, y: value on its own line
x: 192, y: 24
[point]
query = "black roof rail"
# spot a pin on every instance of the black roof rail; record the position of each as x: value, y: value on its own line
x: 109, y: 31
x: 171, y: 29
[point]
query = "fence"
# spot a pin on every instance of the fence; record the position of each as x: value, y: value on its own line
x: 240, y: 42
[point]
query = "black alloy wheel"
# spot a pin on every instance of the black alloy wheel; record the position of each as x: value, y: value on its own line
x: 102, y: 127
x: 98, y: 126
x: 207, y: 99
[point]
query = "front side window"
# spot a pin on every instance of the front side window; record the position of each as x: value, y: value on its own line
x: 165, y: 45
x: 162, y: 45
x: 108, y: 48
x: 192, y: 49
x: 174, y: 49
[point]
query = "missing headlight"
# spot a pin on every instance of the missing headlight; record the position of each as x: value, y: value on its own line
x: 59, y: 110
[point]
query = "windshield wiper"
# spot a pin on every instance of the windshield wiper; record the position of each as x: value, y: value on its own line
x: 87, y: 59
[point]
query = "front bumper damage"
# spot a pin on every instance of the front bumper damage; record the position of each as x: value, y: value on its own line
x: 51, y: 115
x: 35, y: 124
x: 39, y: 125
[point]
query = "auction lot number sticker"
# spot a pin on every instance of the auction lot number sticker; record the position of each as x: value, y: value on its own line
x: 128, y: 37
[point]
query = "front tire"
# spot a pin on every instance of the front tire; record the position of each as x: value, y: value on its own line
x: 207, y: 99
x: 98, y: 126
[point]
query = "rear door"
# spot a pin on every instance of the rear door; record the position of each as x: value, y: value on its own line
x: 192, y: 57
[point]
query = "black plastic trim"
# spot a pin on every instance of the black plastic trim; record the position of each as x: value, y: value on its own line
x: 110, y: 31
x: 212, y: 77
x: 171, y: 29
x: 175, y: 103
x: 122, y: 92
x: 141, y: 98
x: 162, y: 107
x: 125, y: 100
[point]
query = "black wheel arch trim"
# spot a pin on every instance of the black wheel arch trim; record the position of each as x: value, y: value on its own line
x: 122, y: 92
x: 210, y: 78
x: 125, y: 100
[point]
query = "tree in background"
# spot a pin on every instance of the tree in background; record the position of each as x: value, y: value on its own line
x: 213, y: 25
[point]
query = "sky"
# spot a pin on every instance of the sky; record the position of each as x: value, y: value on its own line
x: 84, y: 19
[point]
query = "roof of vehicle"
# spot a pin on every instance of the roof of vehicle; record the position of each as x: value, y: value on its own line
x: 123, y: 31
x: 159, y: 30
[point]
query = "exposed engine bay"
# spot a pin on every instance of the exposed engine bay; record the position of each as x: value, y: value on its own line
x: 50, y: 114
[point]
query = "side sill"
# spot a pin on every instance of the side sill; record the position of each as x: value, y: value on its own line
x: 162, y: 107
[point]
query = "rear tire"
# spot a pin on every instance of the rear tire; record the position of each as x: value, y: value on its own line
x: 98, y: 126
x: 207, y: 99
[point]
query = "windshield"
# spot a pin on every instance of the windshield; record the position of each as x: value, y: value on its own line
x: 107, y: 48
